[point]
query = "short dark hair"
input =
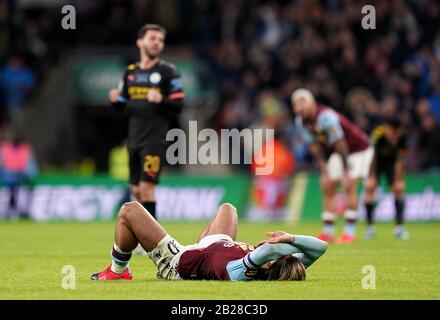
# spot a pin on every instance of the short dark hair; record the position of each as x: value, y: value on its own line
x: 150, y: 26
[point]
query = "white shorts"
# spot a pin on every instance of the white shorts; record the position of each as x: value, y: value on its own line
x: 358, y: 164
x: 167, y: 254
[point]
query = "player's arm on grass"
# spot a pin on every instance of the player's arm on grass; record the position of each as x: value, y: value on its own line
x: 306, y: 248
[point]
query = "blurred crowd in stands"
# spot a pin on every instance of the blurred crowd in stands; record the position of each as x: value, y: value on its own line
x: 258, y: 52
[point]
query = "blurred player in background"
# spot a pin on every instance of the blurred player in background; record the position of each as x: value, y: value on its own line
x: 343, y: 153
x: 270, y: 192
x: 18, y: 167
x: 389, y: 159
x: 151, y: 93
x: 216, y: 256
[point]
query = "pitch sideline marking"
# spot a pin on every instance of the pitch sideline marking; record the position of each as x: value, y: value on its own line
x: 295, y: 201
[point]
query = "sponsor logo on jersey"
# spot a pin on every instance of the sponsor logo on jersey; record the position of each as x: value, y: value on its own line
x: 155, y: 77
x: 142, y: 77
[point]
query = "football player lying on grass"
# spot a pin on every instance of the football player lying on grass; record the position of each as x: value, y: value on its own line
x: 216, y: 256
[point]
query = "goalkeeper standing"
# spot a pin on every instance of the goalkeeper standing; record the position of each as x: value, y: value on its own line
x: 151, y: 94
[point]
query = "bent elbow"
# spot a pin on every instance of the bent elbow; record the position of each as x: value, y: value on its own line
x: 322, y: 248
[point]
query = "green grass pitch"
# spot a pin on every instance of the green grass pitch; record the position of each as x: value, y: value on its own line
x: 33, y: 255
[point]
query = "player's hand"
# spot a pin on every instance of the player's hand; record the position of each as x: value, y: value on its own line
x: 274, y: 234
x: 113, y: 95
x: 154, y: 96
x: 277, y: 237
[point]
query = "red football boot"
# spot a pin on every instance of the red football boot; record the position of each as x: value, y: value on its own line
x: 327, y: 237
x: 108, y: 274
x: 346, y: 238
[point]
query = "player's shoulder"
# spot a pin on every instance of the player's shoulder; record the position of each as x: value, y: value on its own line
x: 166, y: 65
x: 327, y: 117
x: 133, y: 66
x: 378, y: 132
x: 326, y: 111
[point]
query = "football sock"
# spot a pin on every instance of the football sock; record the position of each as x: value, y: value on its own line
x: 400, y: 205
x: 151, y: 207
x: 370, y: 208
x: 350, y: 226
x: 329, y: 227
x: 119, y: 259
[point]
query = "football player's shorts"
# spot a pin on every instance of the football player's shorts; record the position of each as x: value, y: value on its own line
x: 168, y: 251
x: 146, y: 163
x: 385, y: 167
x: 358, y: 164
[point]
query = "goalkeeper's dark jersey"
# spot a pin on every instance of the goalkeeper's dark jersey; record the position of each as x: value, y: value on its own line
x: 386, y: 151
x: 149, y: 122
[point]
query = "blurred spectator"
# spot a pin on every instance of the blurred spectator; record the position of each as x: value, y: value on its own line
x: 119, y: 166
x: 270, y: 192
x: 253, y: 46
x: 434, y: 101
x: 118, y: 162
x: 430, y: 143
x: 17, y: 82
x: 18, y: 166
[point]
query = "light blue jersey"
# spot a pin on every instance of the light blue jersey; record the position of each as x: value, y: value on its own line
x: 307, y: 249
x: 327, y: 129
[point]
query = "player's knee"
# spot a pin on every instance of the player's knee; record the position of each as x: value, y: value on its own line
x: 370, y: 185
x: 128, y: 209
x: 351, y: 187
x: 228, y: 209
x: 327, y: 186
x: 399, y: 187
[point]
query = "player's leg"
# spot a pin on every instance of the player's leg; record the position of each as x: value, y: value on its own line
x: 398, y: 189
x: 359, y: 164
x: 205, y: 231
x: 151, y: 164
x: 134, y: 225
x: 328, y: 188
x: 135, y: 165
x: 147, y: 196
x: 370, y: 202
x: 351, y: 212
x: 12, y: 209
x: 225, y: 222
x: 329, y: 183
